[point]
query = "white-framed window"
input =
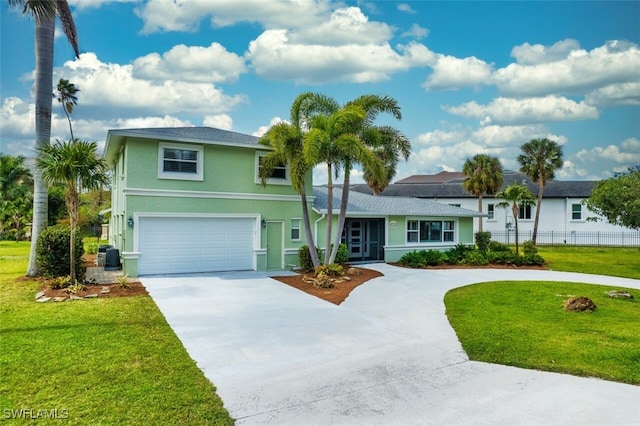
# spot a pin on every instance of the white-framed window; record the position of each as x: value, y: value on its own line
x: 491, y: 212
x: 455, y: 205
x: 576, y: 211
x: 430, y: 231
x: 295, y: 229
x: 279, y: 175
x: 524, y: 212
x: 180, y: 161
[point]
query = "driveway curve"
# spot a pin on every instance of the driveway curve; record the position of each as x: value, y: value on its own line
x: 385, y: 356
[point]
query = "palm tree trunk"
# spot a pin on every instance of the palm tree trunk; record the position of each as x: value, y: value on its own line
x: 307, y: 229
x: 515, y: 210
x: 343, y: 215
x: 45, y: 29
x: 535, y: 222
x: 327, y: 250
x: 72, y: 206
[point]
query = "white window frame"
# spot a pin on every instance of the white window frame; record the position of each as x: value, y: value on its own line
x: 491, y: 211
x: 199, y: 175
x: 295, y: 227
x: 413, y: 227
x: 579, y: 219
x: 271, y: 180
x: 524, y: 208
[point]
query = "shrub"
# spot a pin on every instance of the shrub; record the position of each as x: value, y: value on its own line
x: 496, y: 246
x: 533, y: 259
x: 475, y: 257
x: 457, y: 254
x: 123, y: 281
x: 529, y: 247
x: 61, y: 282
x: 502, y: 257
x: 482, y: 241
x: 413, y: 259
x: 75, y: 288
x: 342, y: 256
x: 332, y: 270
x: 52, y: 252
x: 304, y: 258
x: 92, y: 248
x: 433, y: 257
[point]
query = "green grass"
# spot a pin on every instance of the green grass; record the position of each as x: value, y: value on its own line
x: 616, y: 261
x: 104, y: 361
x: 523, y: 324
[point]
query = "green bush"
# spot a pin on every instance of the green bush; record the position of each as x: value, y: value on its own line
x: 433, y: 257
x: 502, y: 257
x: 457, y: 254
x: 304, y: 258
x: 413, y: 259
x: 529, y: 247
x: 52, y: 252
x: 496, y: 246
x: 482, y: 241
x: 475, y: 257
x: 533, y: 259
x: 332, y: 270
x: 92, y: 248
x: 342, y: 256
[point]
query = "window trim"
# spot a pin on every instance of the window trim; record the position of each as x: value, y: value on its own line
x: 199, y: 149
x: 409, y: 223
x: 271, y: 180
x: 298, y: 228
x: 525, y: 207
x: 573, y: 212
x: 491, y: 212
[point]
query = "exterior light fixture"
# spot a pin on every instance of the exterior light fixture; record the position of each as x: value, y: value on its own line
x: 264, y: 223
x: 130, y: 222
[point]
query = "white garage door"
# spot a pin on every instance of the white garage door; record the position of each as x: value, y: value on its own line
x: 172, y: 245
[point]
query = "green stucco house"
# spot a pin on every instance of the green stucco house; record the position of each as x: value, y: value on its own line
x: 188, y: 200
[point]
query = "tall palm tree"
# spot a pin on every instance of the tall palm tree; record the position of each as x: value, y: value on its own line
x: 66, y: 95
x: 539, y: 160
x: 515, y: 196
x: 76, y: 165
x: 383, y: 147
x: 44, y: 13
x: 483, y: 174
x: 287, y: 141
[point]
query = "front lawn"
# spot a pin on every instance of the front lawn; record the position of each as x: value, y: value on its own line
x: 616, y: 261
x: 523, y: 324
x: 100, y: 361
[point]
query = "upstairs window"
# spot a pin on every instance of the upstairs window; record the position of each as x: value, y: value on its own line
x: 524, y: 212
x: 279, y: 175
x: 295, y: 229
x: 177, y: 161
x: 576, y: 211
x: 491, y: 212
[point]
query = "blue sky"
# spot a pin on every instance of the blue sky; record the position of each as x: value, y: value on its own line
x: 470, y: 77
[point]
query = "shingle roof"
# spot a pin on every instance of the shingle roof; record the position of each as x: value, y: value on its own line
x: 441, y: 177
x: 454, y: 189
x: 190, y: 134
x: 361, y: 204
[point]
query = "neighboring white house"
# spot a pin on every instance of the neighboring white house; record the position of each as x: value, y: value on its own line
x: 563, y: 216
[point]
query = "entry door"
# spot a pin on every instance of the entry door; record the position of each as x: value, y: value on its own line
x: 274, y: 245
x: 357, y: 239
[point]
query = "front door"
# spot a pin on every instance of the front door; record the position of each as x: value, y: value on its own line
x: 274, y: 245
x: 358, y: 238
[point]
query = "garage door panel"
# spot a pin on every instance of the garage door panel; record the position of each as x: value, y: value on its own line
x: 183, y: 245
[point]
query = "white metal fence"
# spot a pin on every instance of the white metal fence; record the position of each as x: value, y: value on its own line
x: 575, y: 238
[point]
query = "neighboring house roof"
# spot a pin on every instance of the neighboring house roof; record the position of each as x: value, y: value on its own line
x: 453, y: 187
x: 442, y: 177
x: 365, y: 204
x: 200, y: 135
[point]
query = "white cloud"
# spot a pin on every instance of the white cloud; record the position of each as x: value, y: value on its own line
x: 601, y: 162
x: 530, y: 110
x: 416, y: 31
x: 212, y: 64
x: 527, y: 54
x: 580, y: 72
x: 404, y: 7
x: 274, y: 56
x: 113, y: 89
x: 220, y: 121
x: 623, y: 94
x: 450, y: 72
x: 264, y: 129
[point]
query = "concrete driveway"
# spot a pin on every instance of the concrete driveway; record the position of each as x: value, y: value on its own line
x: 386, y: 356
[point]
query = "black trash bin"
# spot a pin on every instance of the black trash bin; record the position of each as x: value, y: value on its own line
x: 102, y: 254
x: 112, y: 259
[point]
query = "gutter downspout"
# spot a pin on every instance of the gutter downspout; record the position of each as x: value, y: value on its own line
x: 315, y: 225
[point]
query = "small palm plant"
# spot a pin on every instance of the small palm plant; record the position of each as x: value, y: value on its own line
x: 515, y: 196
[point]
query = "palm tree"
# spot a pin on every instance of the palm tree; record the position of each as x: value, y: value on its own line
x: 483, y: 174
x: 539, y: 160
x: 44, y: 12
x: 287, y: 141
x: 515, y: 196
x: 16, y: 183
x: 66, y: 95
x: 378, y: 150
x: 76, y: 165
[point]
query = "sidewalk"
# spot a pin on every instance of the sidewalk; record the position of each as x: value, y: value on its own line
x: 103, y: 277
